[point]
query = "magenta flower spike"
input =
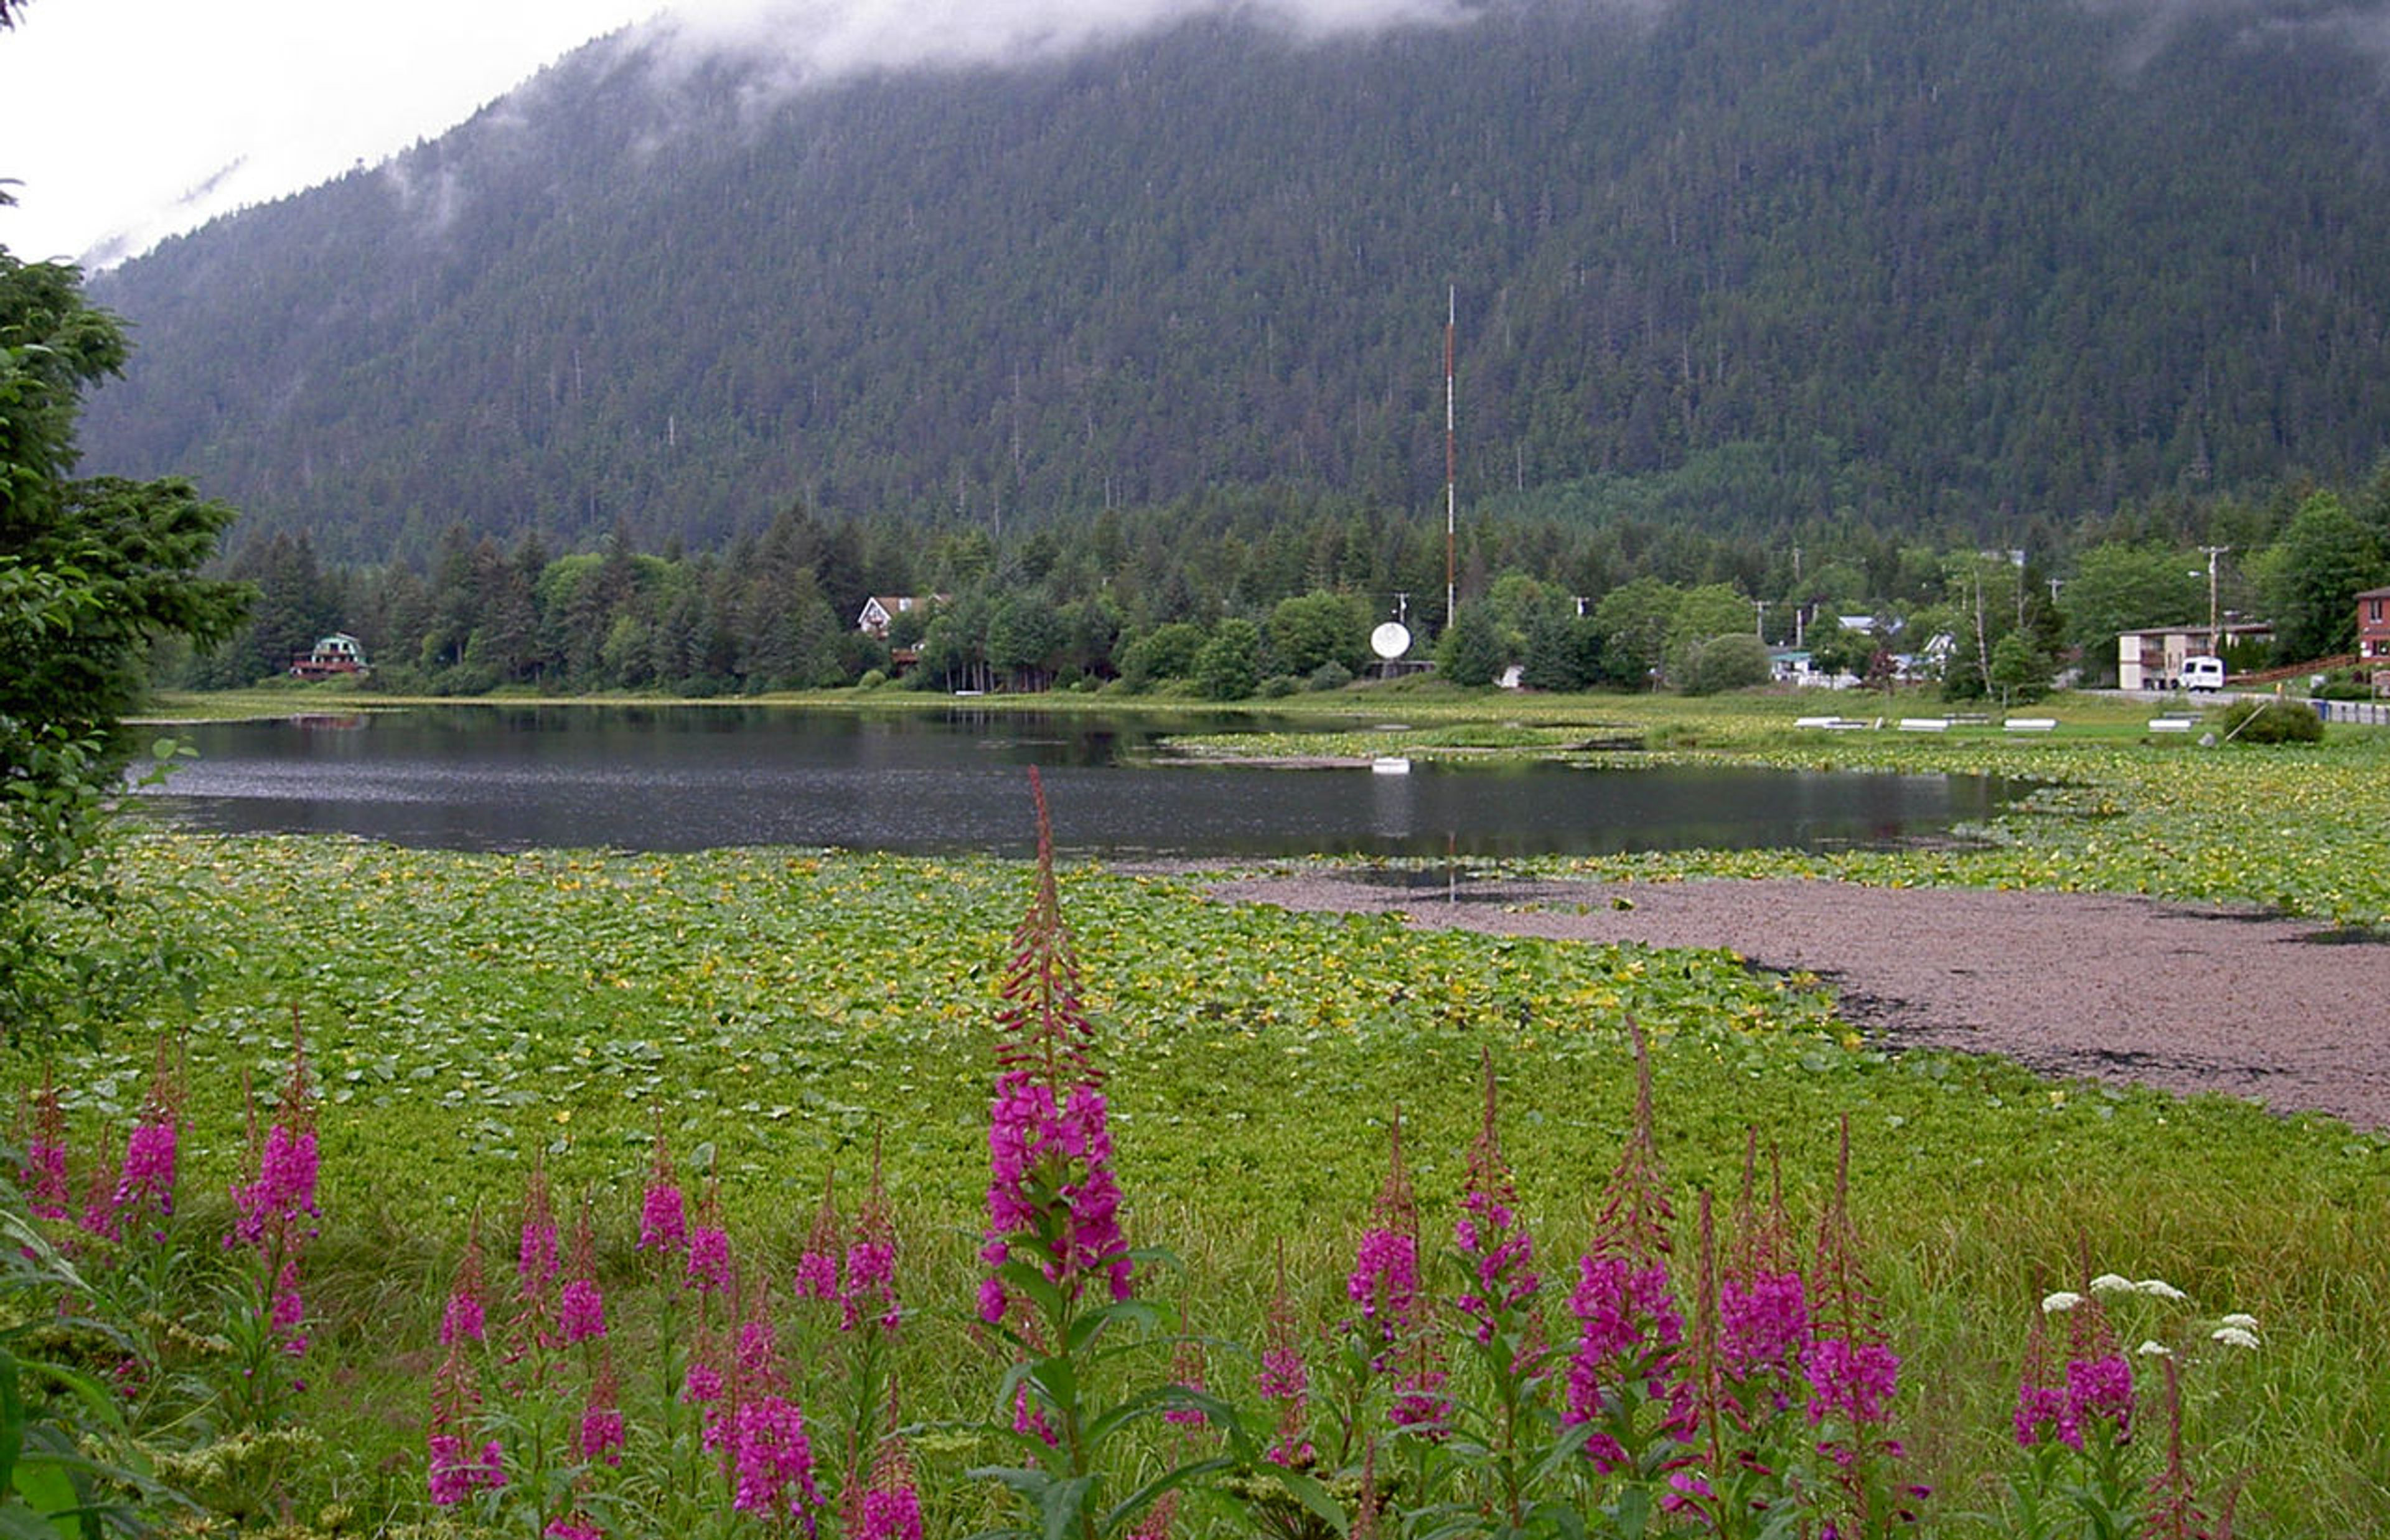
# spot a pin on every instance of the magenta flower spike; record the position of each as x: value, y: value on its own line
x: 601, y: 1437
x: 146, y: 1182
x: 818, y: 1264
x: 868, y: 1293
x: 708, y: 1268
x: 771, y: 1460
x: 463, y: 1316
x: 1284, y: 1379
x: 99, y: 1215
x: 535, y: 1255
x: 756, y: 1367
x: 581, y: 1307
x: 664, y: 1221
x: 284, y: 1190
x: 1763, y: 1301
x: 456, y: 1471
x: 2098, y: 1378
x: 2042, y: 1415
x: 1187, y: 1370
x: 1384, y: 1282
x: 1052, y: 1198
x: 1852, y: 1372
x: 891, y: 1509
x: 580, y: 1311
x: 1494, y: 1246
x: 1629, y: 1329
x: 44, y: 1174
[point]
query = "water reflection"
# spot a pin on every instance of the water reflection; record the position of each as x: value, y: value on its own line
x: 667, y: 779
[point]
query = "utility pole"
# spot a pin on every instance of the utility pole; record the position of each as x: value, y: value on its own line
x: 1451, y: 461
x: 2214, y: 619
x: 1760, y: 629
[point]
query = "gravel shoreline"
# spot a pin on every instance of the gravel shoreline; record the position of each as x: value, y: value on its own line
x: 2187, y: 998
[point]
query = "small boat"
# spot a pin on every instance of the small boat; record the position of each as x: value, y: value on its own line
x: 1390, y: 764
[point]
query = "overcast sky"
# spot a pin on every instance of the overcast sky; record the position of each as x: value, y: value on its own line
x: 127, y: 120
x: 117, y: 115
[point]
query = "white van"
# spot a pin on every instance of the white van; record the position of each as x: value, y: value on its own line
x: 2203, y: 674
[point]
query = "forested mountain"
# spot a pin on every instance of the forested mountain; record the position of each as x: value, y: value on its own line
x: 1933, y: 263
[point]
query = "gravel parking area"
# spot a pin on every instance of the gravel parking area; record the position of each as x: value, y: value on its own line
x: 2287, y: 1012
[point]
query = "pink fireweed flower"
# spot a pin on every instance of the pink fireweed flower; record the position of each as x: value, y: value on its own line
x: 1763, y: 1324
x: 284, y: 1189
x: 891, y: 1514
x: 1495, y: 1247
x: 1422, y: 1406
x: 573, y: 1526
x: 454, y: 1472
x: 756, y: 1368
x: 99, y: 1214
x: 1384, y: 1280
x: 869, y: 1292
x: 147, y: 1180
x: 1035, y: 1148
x: 1284, y: 1378
x: 464, y: 1320
x: 1628, y: 1333
x: 1053, y: 1202
x: 580, y: 1311
x: 288, y: 1313
x: 1028, y: 1418
x: 663, y: 1218
x: 870, y: 1289
x: 891, y: 1509
x: 1854, y: 1381
x: 2100, y: 1390
x: 2098, y: 1378
x: 772, y: 1460
x: 708, y: 1268
x: 536, y: 1256
x: 581, y: 1307
x: 663, y: 1225
x: 44, y: 1173
x: 2041, y: 1412
x: 1185, y: 1370
x: 600, y: 1436
x: 818, y: 1264
x: 1385, y: 1283
x: 709, y: 1259
x: 148, y: 1177
x: 816, y: 1276
x: 457, y: 1474
x: 703, y: 1383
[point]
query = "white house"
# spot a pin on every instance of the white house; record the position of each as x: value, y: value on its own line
x: 879, y: 611
x: 2152, y: 658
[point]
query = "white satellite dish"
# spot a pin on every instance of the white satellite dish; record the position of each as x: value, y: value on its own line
x: 1391, y: 640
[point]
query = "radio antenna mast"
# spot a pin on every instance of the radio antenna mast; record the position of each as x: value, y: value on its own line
x: 1451, y: 590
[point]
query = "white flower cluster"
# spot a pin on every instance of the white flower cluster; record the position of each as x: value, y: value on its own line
x: 2234, y: 1331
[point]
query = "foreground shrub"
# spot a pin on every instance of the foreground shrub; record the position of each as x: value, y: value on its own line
x: 2269, y: 722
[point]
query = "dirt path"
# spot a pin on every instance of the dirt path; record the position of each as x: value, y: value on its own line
x: 2072, y: 984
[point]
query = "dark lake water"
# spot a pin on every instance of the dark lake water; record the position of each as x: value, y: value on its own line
x: 690, y: 777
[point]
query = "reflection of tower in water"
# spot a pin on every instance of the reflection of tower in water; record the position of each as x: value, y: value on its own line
x: 1393, y: 805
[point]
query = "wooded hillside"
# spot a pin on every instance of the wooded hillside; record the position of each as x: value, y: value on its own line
x: 1942, y: 264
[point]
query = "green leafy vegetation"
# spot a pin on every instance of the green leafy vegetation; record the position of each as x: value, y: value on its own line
x: 92, y: 573
x: 775, y: 1015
